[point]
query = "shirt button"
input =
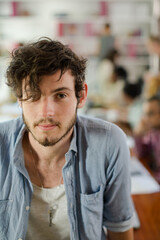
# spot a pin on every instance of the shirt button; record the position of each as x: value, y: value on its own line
x: 27, y: 208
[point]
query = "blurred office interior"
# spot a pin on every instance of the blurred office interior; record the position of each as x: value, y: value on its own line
x: 118, y: 83
x: 80, y: 24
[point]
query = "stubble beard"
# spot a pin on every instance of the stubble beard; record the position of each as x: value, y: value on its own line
x: 46, y: 142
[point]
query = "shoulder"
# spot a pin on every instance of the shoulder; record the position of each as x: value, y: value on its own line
x: 11, y: 124
x: 10, y: 129
x: 92, y: 123
x: 102, y: 140
x: 100, y: 129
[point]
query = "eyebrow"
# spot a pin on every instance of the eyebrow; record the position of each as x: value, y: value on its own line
x: 61, y: 89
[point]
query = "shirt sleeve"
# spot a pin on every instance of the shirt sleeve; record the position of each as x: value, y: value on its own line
x: 118, y: 207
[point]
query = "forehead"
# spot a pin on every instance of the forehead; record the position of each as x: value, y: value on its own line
x: 153, y: 105
x: 53, y: 81
x: 57, y: 78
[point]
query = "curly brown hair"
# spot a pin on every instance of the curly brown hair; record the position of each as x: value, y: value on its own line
x: 44, y: 57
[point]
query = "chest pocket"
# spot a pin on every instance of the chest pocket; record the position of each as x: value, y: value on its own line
x: 91, y: 210
x: 5, y: 211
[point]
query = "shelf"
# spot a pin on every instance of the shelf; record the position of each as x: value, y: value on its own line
x: 136, y: 61
x: 54, y: 19
x: 133, y: 39
x: 97, y: 1
x: 78, y: 19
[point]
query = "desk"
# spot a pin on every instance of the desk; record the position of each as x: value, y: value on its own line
x: 148, y: 209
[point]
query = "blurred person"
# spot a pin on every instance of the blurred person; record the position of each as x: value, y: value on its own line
x: 152, y: 86
x: 153, y: 44
x: 107, y: 41
x: 147, y: 135
x: 111, y: 78
x: 152, y: 80
x: 63, y: 176
x: 132, y: 101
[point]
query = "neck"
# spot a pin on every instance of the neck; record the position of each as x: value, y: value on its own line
x: 49, y: 155
x: 45, y: 164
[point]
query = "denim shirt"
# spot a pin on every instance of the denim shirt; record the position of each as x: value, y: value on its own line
x: 96, y: 178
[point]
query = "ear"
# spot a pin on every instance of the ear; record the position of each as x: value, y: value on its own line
x: 83, y: 97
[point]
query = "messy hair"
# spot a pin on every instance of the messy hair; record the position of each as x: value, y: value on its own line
x: 154, y: 98
x: 45, y: 57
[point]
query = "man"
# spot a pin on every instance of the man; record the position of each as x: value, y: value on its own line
x: 152, y: 77
x: 147, y: 135
x: 63, y: 176
x: 131, y: 98
x: 107, y: 42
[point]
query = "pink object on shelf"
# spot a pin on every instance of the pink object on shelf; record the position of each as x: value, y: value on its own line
x: 132, y: 50
x: 103, y: 8
x: 60, y: 30
x: 14, y: 8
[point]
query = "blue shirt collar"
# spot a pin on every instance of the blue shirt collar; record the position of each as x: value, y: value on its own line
x: 73, y: 145
x: 18, y: 155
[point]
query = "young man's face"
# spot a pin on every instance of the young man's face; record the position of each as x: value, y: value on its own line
x: 53, y: 116
x: 152, y: 113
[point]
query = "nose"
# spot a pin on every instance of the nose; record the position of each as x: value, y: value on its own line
x: 47, y: 107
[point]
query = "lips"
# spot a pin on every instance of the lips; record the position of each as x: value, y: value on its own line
x: 46, y: 124
x: 46, y: 127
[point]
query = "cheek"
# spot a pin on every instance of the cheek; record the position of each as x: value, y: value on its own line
x: 69, y: 107
x: 29, y: 111
x: 69, y: 112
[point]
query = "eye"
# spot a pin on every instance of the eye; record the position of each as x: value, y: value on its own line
x: 61, y: 95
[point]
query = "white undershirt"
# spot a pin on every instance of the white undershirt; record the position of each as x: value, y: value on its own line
x: 38, y: 225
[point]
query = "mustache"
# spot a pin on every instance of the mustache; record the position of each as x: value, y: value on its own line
x: 46, y: 121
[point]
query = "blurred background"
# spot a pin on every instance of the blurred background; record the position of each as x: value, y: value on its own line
x: 114, y: 35
x: 121, y: 40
